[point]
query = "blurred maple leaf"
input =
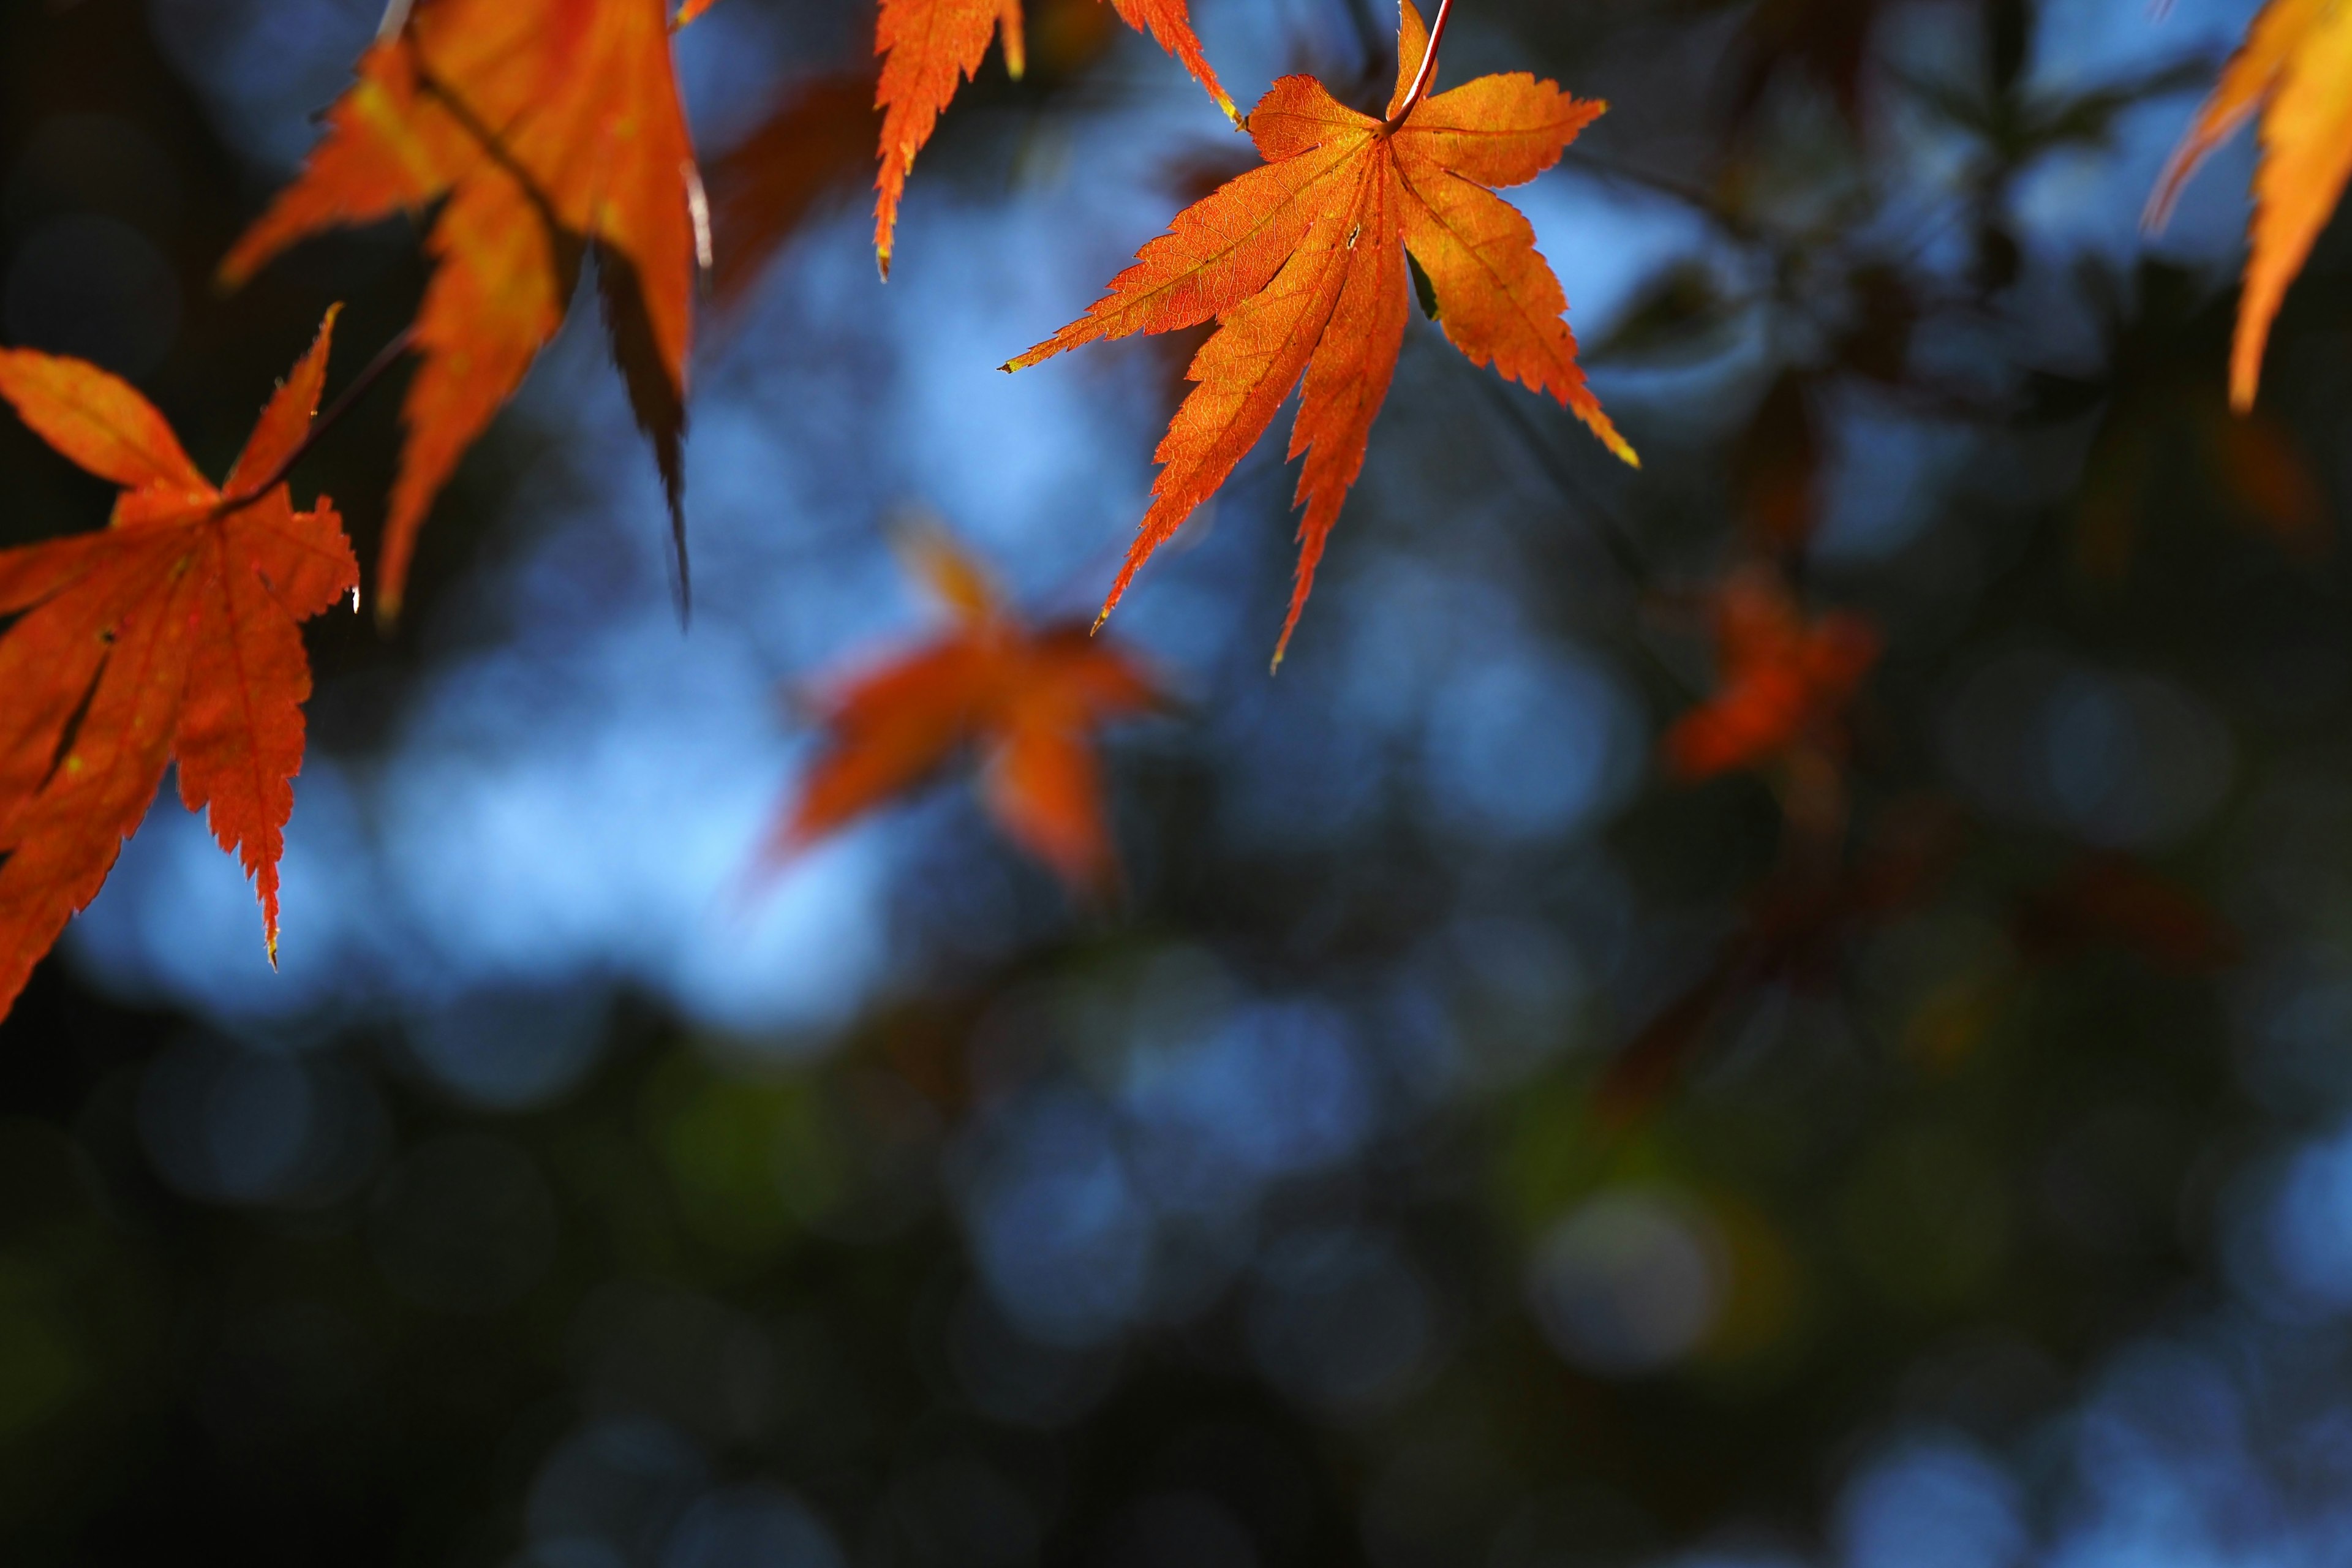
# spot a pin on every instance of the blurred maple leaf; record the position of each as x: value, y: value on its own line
x: 2163, y: 414
x: 813, y: 144
x: 170, y: 636
x: 1302, y: 264
x: 1826, y: 39
x: 1775, y: 465
x: 541, y: 127
x: 2110, y: 898
x: 2294, y: 70
x: 1785, y: 679
x: 1028, y: 700
x: 1798, y: 925
x: 929, y: 48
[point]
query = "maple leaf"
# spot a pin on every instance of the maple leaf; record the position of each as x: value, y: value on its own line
x: 1828, y: 39
x: 929, y: 48
x: 2110, y: 898
x: 2296, y: 70
x: 540, y: 127
x: 1301, y: 262
x: 1785, y: 679
x: 761, y: 188
x: 1026, y: 700
x: 170, y: 636
x: 1798, y: 924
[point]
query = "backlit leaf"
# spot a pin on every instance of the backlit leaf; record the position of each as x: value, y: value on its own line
x: 540, y: 127
x: 1301, y: 262
x: 170, y: 636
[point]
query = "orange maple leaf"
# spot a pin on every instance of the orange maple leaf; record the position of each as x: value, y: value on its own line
x: 929, y: 48
x: 169, y: 635
x: 1026, y: 699
x: 2294, y: 70
x: 1785, y: 679
x: 1302, y: 264
x: 541, y: 127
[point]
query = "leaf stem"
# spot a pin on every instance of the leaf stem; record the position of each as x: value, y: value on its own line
x: 396, y: 17
x: 343, y: 405
x: 1421, y: 78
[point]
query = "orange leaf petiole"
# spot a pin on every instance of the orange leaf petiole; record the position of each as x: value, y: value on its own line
x: 1428, y: 72
x: 359, y: 389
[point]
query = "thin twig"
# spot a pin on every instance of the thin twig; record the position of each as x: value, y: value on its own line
x: 1422, y: 77
x: 343, y: 405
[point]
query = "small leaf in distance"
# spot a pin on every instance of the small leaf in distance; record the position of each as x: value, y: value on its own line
x: 815, y: 144
x: 1776, y: 465
x: 1785, y: 679
x: 1026, y: 700
x: 1680, y: 316
x: 2110, y: 898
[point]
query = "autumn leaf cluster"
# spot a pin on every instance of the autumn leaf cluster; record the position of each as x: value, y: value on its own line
x: 536, y: 139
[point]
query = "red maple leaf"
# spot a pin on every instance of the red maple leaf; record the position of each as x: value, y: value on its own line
x: 1786, y: 680
x: 540, y: 127
x: 169, y: 636
x: 1026, y: 700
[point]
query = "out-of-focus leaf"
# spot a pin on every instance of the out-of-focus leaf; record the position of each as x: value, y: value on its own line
x: 1786, y: 680
x: 812, y: 149
x: 2265, y: 479
x: 538, y: 127
x: 2112, y: 899
x: 2293, y: 69
x: 1798, y: 926
x: 2166, y: 414
x: 1680, y: 315
x: 1028, y: 700
x: 1776, y: 467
